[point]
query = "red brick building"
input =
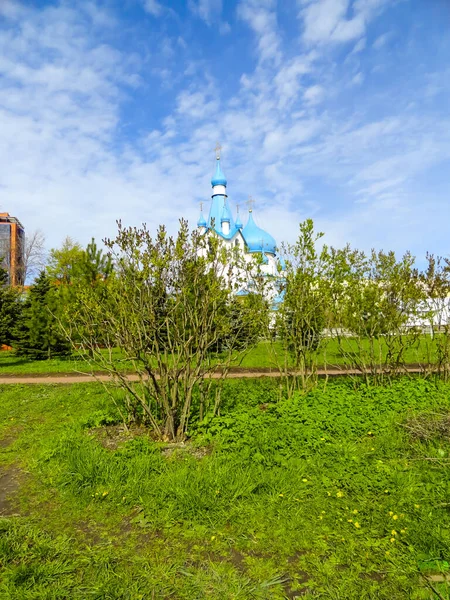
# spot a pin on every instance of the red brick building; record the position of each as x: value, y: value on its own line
x: 12, y: 245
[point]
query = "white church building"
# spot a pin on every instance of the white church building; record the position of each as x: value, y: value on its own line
x: 249, y: 238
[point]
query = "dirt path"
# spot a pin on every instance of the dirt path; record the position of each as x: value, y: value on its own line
x: 69, y: 378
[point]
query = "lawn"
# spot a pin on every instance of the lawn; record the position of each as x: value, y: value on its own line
x: 264, y: 355
x: 326, y: 495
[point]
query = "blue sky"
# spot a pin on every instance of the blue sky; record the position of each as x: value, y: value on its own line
x: 336, y: 110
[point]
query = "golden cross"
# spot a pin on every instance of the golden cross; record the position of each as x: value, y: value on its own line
x: 250, y: 203
x: 201, y: 206
x: 217, y: 149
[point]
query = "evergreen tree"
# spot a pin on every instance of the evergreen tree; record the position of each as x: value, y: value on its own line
x: 90, y: 275
x: 38, y: 334
x: 10, y: 309
x: 93, y: 265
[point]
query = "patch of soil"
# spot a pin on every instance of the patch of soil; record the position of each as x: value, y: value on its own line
x: 296, y: 556
x: 89, y: 532
x: 429, y: 426
x: 9, y: 486
x: 301, y: 593
x: 7, y: 441
x: 170, y: 449
x: 11, y: 436
x: 438, y: 578
x: 374, y: 576
x: 290, y: 593
x: 237, y: 560
x: 113, y: 436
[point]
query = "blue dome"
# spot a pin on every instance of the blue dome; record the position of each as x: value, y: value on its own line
x: 257, y: 239
x: 219, y: 178
x: 238, y: 222
x: 201, y: 221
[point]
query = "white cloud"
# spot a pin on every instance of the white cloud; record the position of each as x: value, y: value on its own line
x: 153, y: 7
x: 287, y: 79
x: 357, y: 79
x: 381, y: 40
x: 321, y: 17
x: 196, y: 105
x: 207, y: 10
x: 261, y: 16
x: 337, y: 21
x: 359, y: 46
x: 314, y: 94
x: 11, y: 9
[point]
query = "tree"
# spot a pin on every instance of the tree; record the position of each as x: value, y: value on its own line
x: 301, y: 317
x: 376, y: 299
x: 436, y: 314
x: 247, y: 317
x: 165, y: 308
x: 90, y: 271
x: 38, y: 333
x: 34, y: 255
x: 10, y: 309
x: 63, y: 261
x: 92, y: 266
x: 74, y: 269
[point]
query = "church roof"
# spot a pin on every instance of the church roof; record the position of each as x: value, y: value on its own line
x: 257, y: 239
x: 216, y: 213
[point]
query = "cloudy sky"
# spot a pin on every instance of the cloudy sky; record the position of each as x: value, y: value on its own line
x: 332, y: 109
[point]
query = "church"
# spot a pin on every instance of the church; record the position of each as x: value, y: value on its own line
x: 249, y: 238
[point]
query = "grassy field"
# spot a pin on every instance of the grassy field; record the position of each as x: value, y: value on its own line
x: 326, y: 495
x: 264, y: 355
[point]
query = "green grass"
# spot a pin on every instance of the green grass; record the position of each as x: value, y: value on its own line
x: 11, y: 364
x: 264, y: 355
x: 273, y: 499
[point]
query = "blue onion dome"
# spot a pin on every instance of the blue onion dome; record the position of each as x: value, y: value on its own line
x: 201, y: 220
x: 257, y: 239
x: 239, y: 224
x: 219, y: 178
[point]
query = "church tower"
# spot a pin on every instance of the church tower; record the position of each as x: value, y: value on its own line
x: 251, y: 239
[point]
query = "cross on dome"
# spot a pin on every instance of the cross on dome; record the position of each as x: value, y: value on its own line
x: 217, y: 150
x: 250, y: 203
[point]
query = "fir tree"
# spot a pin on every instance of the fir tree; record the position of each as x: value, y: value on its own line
x: 10, y: 309
x: 93, y: 265
x: 39, y: 335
